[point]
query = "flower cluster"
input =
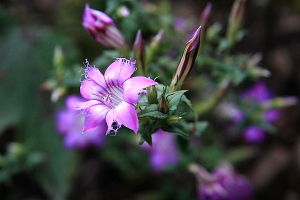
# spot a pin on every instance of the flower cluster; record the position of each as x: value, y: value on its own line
x: 256, y: 95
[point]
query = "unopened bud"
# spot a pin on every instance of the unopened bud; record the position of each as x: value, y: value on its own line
x: 254, y: 69
x: 235, y: 20
x: 153, y: 48
x: 205, y: 15
x: 173, y: 119
x: 102, y: 28
x: 280, y: 102
x: 201, y: 174
x: 157, y: 38
x: 123, y: 11
x: 58, y: 58
x: 139, y: 52
x: 187, y: 61
x: 15, y: 148
x: 163, y: 103
x: 57, y: 93
x: 152, y: 95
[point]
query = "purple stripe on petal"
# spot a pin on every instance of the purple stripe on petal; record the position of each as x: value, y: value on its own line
x: 89, y: 89
x: 134, y: 86
x: 94, y: 74
x: 85, y: 104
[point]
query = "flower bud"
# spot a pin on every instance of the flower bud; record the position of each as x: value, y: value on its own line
x: 280, y: 102
x: 123, y: 11
x: 15, y: 148
x: 139, y: 53
x: 254, y: 69
x: 58, y: 62
x: 58, y: 59
x: 235, y: 20
x: 205, y: 15
x: 157, y: 39
x: 187, y: 61
x: 163, y: 103
x: 152, y: 95
x: 173, y: 119
x: 102, y: 28
x: 153, y: 48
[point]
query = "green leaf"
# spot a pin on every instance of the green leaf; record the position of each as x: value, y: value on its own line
x: 154, y: 114
x: 152, y: 111
x: 147, y: 137
x: 187, y: 102
x: 201, y: 127
x: 174, y: 98
x: 178, y: 131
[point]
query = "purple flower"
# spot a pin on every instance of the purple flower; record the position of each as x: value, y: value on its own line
x: 102, y: 28
x: 259, y: 92
x: 110, y: 97
x: 222, y: 184
x: 163, y: 150
x: 272, y: 115
x: 254, y: 134
x: 179, y: 23
x: 69, y: 123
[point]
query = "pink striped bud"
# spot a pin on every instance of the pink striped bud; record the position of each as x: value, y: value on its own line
x: 187, y: 61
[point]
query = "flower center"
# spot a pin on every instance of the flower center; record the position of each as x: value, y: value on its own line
x: 114, y: 96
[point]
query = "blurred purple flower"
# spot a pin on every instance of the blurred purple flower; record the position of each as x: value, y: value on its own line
x: 102, y: 28
x: 163, y: 150
x: 69, y: 123
x: 257, y: 94
x: 254, y: 134
x: 222, y: 184
x: 179, y: 23
x: 272, y: 115
x: 205, y: 15
x: 110, y: 97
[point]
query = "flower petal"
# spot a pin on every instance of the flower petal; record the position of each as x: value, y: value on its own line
x: 94, y: 74
x: 77, y: 139
x: 89, y: 89
x: 134, y: 86
x: 123, y: 114
x: 64, y: 120
x: 94, y: 116
x: 85, y: 104
x: 72, y: 101
x: 119, y: 71
x: 127, y: 116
